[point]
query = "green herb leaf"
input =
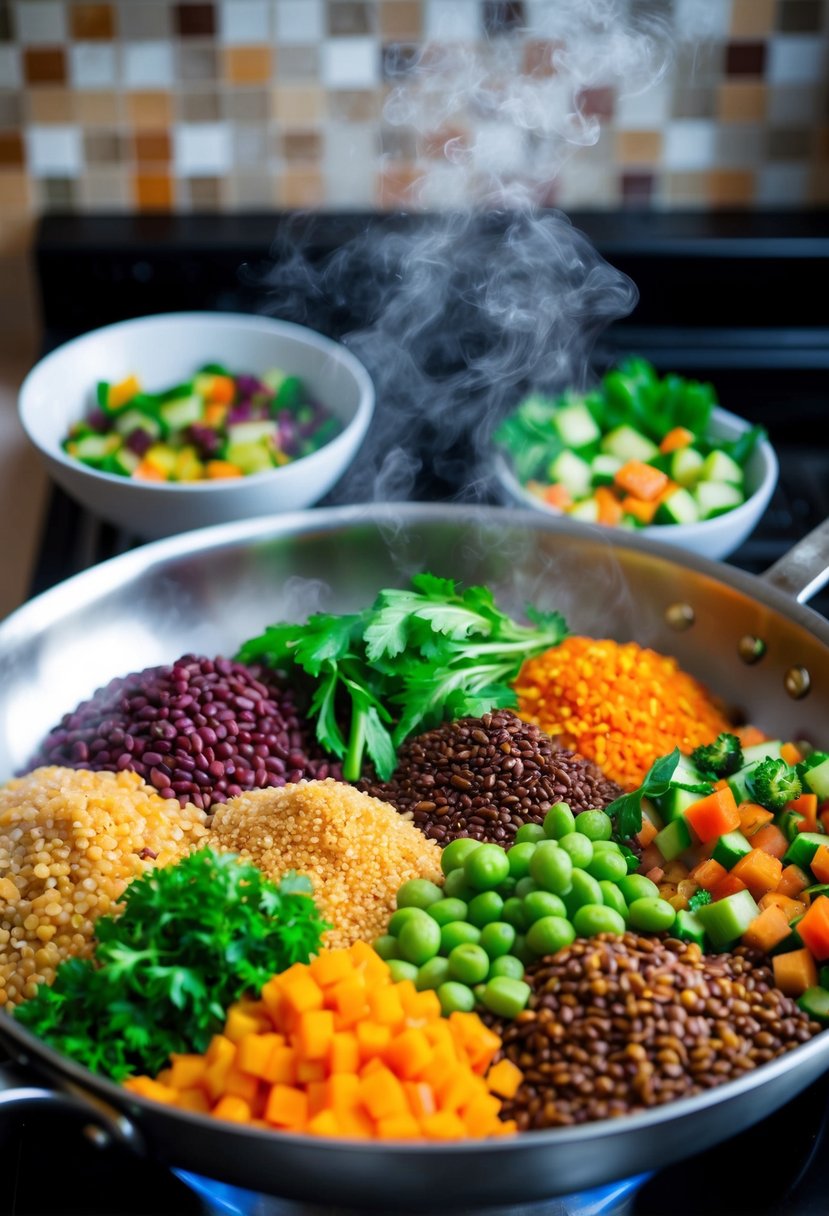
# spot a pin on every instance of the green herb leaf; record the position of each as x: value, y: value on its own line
x: 626, y: 810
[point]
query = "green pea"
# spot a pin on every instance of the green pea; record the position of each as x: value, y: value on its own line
x: 485, y: 867
x: 542, y: 903
x: 585, y: 890
x: 652, y: 915
x: 497, y: 938
x: 529, y: 833
x: 607, y: 866
x: 613, y: 898
x: 400, y: 970
x: 595, y: 824
x: 456, y: 853
x: 456, y: 933
x: 636, y: 886
x: 484, y: 908
x: 419, y: 940
x: 513, y: 913
x: 505, y: 996
x: 559, y: 821
x: 399, y: 918
x: 507, y: 887
x: 478, y: 991
x: 469, y: 964
x: 418, y: 893
x: 446, y: 910
x: 525, y: 886
x: 552, y: 869
x: 507, y: 965
x: 456, y: 886
x: 455, y: 997
x: 579, y: 849
x: 519, y: 857
x: 549, y: 934
x: 606, y: 846
x: 432, y: 974
x: 386, y: 946
x: 591, y: 919
x: 522, y: 951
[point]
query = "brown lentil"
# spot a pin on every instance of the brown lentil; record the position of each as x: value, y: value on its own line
x: 356, y: 850
x: 484, y: 777
x: 200, y: 730
x: 608, y: 1030
x: 70, y: 841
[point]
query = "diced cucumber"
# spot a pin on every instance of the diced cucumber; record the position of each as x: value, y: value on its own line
x: 625, y: 444
x: 685, y: 466
x: 738, y: 782
x: 576, y: 426
x: 125, y: 462
x: 252, y: 432
x: 273, y: 379
x: 673, y: 839
x: 137, y: 420
x: 803, y: 848
x: 815, y: 1002
x: 674, y: 802
x: 730, y: 847
x: 181, y: 412
x: 604, y: 469
x: 817, y: 779
x: 716, y: 498
x: 719, y: 466
x: 573, y: 473
x: 587, y: 511
x: 689, y: 928
x: 789, y: 823
x: 687, y: 773
x: 772, y: 749
x: 678, y: 508
x: 726, y: 920
x: 252, y: 457
x: 94, y: 449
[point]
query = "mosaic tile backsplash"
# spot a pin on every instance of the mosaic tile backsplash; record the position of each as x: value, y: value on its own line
x: 252, y: 104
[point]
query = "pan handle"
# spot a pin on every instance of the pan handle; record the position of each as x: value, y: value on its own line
x: 105, y: 1125
x: 805, y: 568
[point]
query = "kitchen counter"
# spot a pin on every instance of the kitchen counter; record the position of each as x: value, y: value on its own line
x: 23, y: 488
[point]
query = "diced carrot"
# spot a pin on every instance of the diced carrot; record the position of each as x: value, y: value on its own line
x: 287, y: 1107
x: 330, y: 967
x: 656, y: 875
x: 369, y: 962
x: 240, y: 1023
x: 767, y: 930
x: 639, y: 508
x: 408, y: 1054
x: 820, y: 863
x: 314, y: 1033
x: 814, y: 928
x: 753, y: 817
x: 218, y: 470
x: 647, y: 832
x: 324, y: 1123
x: 280, y: 1068
x: 761, y: 872
x: 791, y: 754
x: 310, y: 1070
x: 254, y: 1052
x: 641, y: 480
x: 317, y: 1092
x: 443, y: 1125
x: 679, y: 437
x: 343, y: 1091
x: 805, y: 805
x: 795, y: 972
x: 238, y: 1083
x: 750, y: 735
x: 421, y: 1098
x: 299, y: 994
x: 222, y: 389
x: 422, y: 1005
x: 220, y: 1050
x: 194, y: 1099
x: 146, y: 1087
x: 791, y: 907
x: 729, y: 885
x: 373, y: 1039
x: 462, y: 1089
x: 187, y: 1071
x: 147, y: 471
x: 344, y: 1052
x: 348, y: 999
x: 386, y: 1006
x: 823, y: 816
x: 504, y: 1078
x: 123, y: 392
x: 235, y: 1110
x: 382, y: 1094
x: 714, y: 815
x: 610, y: 508
x: 708, y: 873
x: 792, y: 881
x: 398, y: 1127
x: 771, y: 840
x: 557, y: 495
x: 481, y: 1116
x: 215, y: 413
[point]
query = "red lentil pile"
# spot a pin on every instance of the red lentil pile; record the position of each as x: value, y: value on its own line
x: 621, y: 705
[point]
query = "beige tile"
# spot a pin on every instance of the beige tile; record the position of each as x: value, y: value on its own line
x: 742, y: 101
x: 396, y: 184
x: 96, y: 109
x: 638, y: 147
x: 15, y: 194
x: 689, y: 189
x: 353, y: 105
x: 300, y: 188
x: 730, y: 187
x: 297, y: 105
x: 150, y: 109
x: 105, y: 188
x: 401, y: 19
x: 752, y: 18
x: 51, y: 105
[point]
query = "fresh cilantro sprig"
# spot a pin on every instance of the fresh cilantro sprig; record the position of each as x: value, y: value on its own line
x: 626, y: 810
x: 192, y: 938
x: 417, y: 656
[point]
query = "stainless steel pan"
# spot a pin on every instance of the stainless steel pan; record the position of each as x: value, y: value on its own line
x: 748, y: 638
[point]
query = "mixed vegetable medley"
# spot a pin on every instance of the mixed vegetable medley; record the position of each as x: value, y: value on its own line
x: 316, y: 952
x: 217, y: 425
x: 639, y: 449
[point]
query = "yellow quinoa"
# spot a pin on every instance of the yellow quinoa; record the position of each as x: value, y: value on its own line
x: 618, y: 704
x: 355, y: 849
x: 70, y: 841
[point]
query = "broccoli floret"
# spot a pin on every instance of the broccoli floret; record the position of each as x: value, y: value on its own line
x: 699, y: 899
x: 773, y: 783
x: 722, y: 757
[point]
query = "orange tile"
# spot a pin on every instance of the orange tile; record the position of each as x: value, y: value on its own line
x: 153, y: 191
x: 638, y: 147
x: 15, y: 192
x: 400, y: 19
x: 395, y: 185
x: 752, y: 18
x: 742, y: 101
x: 11, y: 148
x: 96, y: 109
x: 51, y: 105
x: 92, y: 21
x: 149, y: 110
x: 247, y: 64
x: 730, y: 187
x: 300, y: 188
x: 152, y: 147
x: 297, y: 105
x: 44, y: 65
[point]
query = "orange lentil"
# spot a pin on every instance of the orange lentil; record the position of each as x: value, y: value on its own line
x: 619, y: 704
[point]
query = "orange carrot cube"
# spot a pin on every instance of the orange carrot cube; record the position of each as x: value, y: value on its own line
x: 504, y: 1079
x: 314, y: 1034
x: 767, y: 930
x: 814, y: 928
x: 330, y: 967
x: 714, y: 815
x: 287, y: 1107
x: 771, y: 840
x: 759, y: 871
x: 795, y: 972
x: 235, y: 1110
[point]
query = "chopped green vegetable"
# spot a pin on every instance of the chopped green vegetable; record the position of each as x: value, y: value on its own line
x: 699, y: 899
x: 192, y: 939
x: 773, y: 783
x: 722, y: 757
x: 626, y: 810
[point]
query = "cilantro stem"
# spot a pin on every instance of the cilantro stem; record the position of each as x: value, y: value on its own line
x: 353, y: 761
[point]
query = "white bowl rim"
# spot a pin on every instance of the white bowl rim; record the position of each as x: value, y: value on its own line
x: 250, y: 321
x: 700, y: 528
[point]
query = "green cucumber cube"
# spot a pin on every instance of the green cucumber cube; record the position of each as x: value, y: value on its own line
x: 817, y: 779
x: 789, y: 823
x: 772, y: 749
x: 250, y: 457
x: 738, y: 782
x: 678, y: 508
x: 685, y: 465
x: 803, y: 848
x: 125, y: 462
x: 94, y: 449
x: 625, y: 444
x: 673, y: 839
x: 716, y: 498
x: 719, y: 466
x: 604, y: 469
x: 181, y: 412
x: 136, y: 420
x: 689, y: 928
x: 675, y: 802
x: 252, y: 432
x: 726, y: 921
x: 575, y: 425
x: 730, y: 848
x: 572, y: 472
x: 815, y: 1002
x: 587, y: 510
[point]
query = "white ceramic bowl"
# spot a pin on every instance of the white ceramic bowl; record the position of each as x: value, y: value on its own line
x: 166, y: 349
x: 714, y: 538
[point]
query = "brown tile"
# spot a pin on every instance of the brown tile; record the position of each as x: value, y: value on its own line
x: 538, y: 56
x: 502, y: 17
x: 11, y: 111
x: 818, y: 186
x: 400, y: 19
x: 686, y: 189
x: 637, y: 189
x: 301, y: 145
x: 15, y: 192
x: 96, y: 108
x: 197, y: 62
x: 152, y: 147
x: 12, y: 151
x: 638, y: 147
x: 296, y: 63
x: 51, y: 105
x: 194, y: 20
x: 349, y: 18
x: 353, y: 105
x: 690, y: 102
x: 144, y: 19
x: 297, y: 106
x: 149, y: 110
x: 247, y: 64
x: 44, y: 65
x: 203, y: 193
x: 752, y: 18
x: 199, y: 105
x: 245, y: 105
x: 300, y: 188
x: 789, y: 143
x: 822, y: 144
x: 742, y: 101
x: 88, y: 22
x: 745, y: 58
x: 800, y: 16
x: 730, y: 187
x: 396, y: 185
x: 153, y: 191
x: 104, y: 189
x: 596, y: 102
x: 103, y: 147
x: 432, y: 144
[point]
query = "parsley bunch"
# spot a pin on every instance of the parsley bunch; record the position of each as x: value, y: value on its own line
x: 192, y: 939
x: 416, y: 657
